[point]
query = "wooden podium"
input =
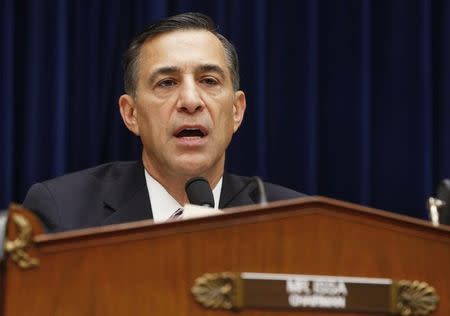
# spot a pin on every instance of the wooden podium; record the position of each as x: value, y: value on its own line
x: 143, y: 268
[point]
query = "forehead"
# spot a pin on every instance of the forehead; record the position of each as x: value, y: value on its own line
x: 183, y: 48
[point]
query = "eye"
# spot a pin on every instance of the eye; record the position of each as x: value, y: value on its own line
x: 166, y: 83
x: 210, y: 81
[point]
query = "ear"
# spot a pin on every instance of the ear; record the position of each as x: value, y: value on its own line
x: 128, y: 111
x: 238, y: 108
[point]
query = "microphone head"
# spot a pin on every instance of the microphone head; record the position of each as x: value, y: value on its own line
x: 199, y: 192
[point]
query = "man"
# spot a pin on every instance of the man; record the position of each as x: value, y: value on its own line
x: 182, y: 99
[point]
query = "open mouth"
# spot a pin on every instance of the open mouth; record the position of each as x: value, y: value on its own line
x: 191, y: 132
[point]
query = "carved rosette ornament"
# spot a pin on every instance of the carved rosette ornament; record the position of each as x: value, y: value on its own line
x: 217, y: 290
x: 415, y: 298
x: 16, y: 248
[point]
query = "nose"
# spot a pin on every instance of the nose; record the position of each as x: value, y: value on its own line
x: 189, y: 100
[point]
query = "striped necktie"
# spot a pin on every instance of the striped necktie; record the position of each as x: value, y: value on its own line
x: 177, y: 213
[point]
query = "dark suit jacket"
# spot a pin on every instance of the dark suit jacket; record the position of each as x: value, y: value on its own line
x: 117, y: 192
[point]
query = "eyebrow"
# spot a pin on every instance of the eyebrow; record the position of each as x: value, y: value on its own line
x: 211, y: 68
x: 166, y: 70
x: 169, y: 70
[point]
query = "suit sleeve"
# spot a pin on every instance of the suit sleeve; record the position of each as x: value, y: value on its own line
x: 40, y: 200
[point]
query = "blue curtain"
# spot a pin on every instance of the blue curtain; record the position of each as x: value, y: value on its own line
x: 347, y: 99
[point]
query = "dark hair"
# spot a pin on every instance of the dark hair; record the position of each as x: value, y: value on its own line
x: 185, y: 21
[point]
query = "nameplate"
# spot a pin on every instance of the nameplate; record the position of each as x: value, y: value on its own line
x: 314, y: 292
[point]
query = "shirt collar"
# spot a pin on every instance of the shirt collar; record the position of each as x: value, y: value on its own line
x: 163, y: 204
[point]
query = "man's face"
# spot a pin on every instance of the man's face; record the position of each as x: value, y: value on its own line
x: 185, y: 109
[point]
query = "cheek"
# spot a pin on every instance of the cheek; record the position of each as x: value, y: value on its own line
x: 227, y: 122
x: 151, y: 123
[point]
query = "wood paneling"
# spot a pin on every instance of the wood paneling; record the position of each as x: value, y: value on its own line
x: 148, y: 269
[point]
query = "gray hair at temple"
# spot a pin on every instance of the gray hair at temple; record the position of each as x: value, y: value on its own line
x: 185, y: 21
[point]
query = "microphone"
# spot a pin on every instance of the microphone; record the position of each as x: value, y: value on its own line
x: 199, y: 192
x: 261, y: 190
x: 439, y: 206
x: 443, y: 193
x: 262, y: 201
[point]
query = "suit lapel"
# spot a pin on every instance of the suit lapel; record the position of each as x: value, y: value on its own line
x: 236, y: 192
x: 128, y: 197
x: 129, y: 201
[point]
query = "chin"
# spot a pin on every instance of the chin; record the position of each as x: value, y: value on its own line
x: 193, y: 167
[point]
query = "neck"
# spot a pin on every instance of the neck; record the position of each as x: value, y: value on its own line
x: 174, y: 184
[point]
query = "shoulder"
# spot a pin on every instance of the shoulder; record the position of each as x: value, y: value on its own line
x: 104, y: 172
x: 277, y: 192
x: 241, y: 190
x: 59, y: 201
x: 95, y: 178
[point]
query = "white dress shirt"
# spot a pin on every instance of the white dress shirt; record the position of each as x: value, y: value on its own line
x: 163, y: 204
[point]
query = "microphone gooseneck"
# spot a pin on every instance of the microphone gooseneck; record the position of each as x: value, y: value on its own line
x: 199, y: 192
x: 439, y: 206
x: 261, y: 190
x: 443, y: 193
